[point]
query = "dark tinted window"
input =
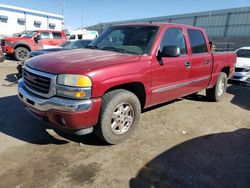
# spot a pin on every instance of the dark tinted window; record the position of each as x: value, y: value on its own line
x: 174, y: 37
x: 79, y: 36
x: 57, y: 35
x: 72, y: 37
x: 44, y: 35
x: 243, y: 53
x: 197, y: 41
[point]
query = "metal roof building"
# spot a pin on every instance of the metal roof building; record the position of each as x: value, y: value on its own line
x: 15, y: 19
x: 222, y: 26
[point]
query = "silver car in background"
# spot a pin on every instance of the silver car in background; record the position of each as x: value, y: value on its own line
x: 242, y: 68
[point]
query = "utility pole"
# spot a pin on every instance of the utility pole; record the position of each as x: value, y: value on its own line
x: 62, y: 3
x: 82, y: 18
x: 62, y: 7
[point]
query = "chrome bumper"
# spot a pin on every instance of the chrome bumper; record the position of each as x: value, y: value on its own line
x: 53, y: 103
x: 241, y: 76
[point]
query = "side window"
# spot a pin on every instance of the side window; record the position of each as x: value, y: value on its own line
x: 57, y: 35
x: 45, y: 35
x: 197, y: 41
x: 72, y: 37
x: 174, y: 37
x: 79, y: 36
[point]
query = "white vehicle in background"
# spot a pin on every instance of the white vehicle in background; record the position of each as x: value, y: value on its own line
x: 83, y: 34
x: 242, y: 68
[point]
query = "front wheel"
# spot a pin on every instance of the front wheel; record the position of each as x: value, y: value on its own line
x: 120, y: 113
x: 21, y: 53
x: 217, y: 92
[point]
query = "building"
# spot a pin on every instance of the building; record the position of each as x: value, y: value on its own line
x: 226, y: 28
x: 14, y: 19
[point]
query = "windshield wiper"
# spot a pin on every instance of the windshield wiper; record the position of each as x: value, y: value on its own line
x: 114, y: 49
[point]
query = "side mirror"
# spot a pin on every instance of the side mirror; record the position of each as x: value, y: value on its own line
x: 37, y: 38
x: 169, y: 51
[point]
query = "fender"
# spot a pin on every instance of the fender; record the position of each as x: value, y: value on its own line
x: 22, y: 43
x: 99, y: 89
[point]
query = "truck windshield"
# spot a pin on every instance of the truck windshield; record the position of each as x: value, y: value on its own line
x: 29, y: 34
x: 126, y: 39
x: 243, y: 53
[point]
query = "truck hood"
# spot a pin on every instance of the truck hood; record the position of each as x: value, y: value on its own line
x: 78, y: 61
x: 243, y: 62
x: 17, y: 39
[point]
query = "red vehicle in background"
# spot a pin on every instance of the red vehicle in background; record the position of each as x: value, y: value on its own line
x: 33, y: 40
x: 1, y: 56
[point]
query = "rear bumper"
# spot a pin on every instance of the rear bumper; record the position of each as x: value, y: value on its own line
x: 71, y: 116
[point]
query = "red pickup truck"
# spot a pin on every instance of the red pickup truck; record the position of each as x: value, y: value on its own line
x: 32, y: 40
x: 126, y: 69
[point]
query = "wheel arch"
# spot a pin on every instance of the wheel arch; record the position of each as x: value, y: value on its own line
x: 25, y: 45
x: 226, y: 70
x: 137, y: 88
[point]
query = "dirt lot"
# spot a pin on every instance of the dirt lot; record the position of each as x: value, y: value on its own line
x: 186, y: 143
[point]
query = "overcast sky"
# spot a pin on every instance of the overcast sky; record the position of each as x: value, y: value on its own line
x: 90, y: 12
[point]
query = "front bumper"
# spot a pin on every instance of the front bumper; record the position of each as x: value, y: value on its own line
x: 8, y: 49
x: 243, y: 77
x: 68, y: 115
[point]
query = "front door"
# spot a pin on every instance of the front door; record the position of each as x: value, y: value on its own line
x: 170, y: 75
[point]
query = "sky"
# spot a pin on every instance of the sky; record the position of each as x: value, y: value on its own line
x: 78, y: 13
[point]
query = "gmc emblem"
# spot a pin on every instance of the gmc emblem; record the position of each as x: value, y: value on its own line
x: 31, y: 78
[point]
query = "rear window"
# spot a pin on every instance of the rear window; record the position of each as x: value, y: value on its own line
x: 197, y: 41
x: 243, y: 53
x: 45, y: 35
x: 79, y: 36
x: 72, y: 37
x: 57, y: 35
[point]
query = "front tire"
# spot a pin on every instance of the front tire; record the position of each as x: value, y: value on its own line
x: 21, y: 53
x: 217, y: 92
x: 120, y: 113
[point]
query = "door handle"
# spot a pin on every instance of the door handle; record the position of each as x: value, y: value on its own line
x: 207, y: 62
x: 187, y: 64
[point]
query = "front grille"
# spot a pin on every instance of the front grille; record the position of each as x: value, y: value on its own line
x: 237, y: 77
x: 36, y: 82
x: 2, y: 42
x: 237, y: 69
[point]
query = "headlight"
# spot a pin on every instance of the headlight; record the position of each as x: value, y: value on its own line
x: 74, y: 86
x: 74, y: 80
x: 8, y: 43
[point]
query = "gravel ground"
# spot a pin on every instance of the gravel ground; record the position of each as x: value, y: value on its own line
x: 186, y: 143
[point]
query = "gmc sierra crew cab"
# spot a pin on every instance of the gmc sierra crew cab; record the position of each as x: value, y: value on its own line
x: 128, y: 68
x: 32, y: 40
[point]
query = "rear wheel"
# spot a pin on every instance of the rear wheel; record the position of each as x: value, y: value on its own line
x: 217, y: 92
x: 21, y: 53
x: 119, y: 115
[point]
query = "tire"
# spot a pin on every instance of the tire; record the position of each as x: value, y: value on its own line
x: 217, y: 92
x: 21, y: 53
x: 120, y: 113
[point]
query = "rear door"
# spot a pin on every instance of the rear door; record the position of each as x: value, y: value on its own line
x: 57, y: 38
x: 201, y: 61
x: 45, y: 38
x: 170, y: 75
